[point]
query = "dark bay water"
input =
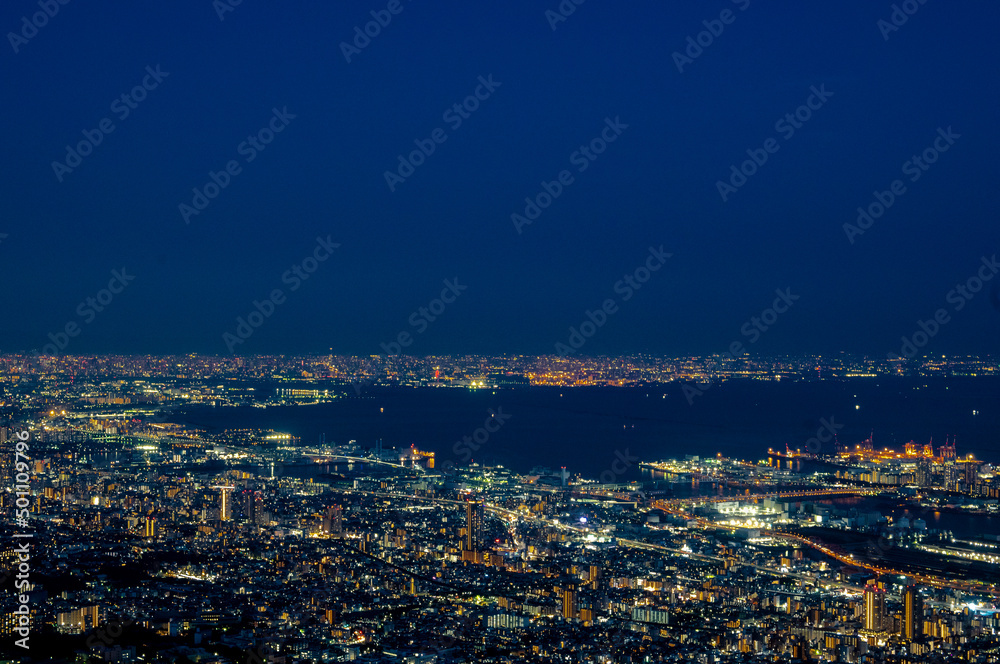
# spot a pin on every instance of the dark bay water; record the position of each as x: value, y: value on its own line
x: 584, y: 428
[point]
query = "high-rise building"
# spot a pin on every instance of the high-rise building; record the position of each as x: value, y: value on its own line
x: 78, y: 620
x: 332, y: 520
x: 149, y: 529
x: 951, y: 475
x: 253, y: 506
x: 595, y: 574
x: 474, y: 526
x: 651, y: 615
x: 569, y: 602
x: 225, y: 504
x: 913, y: 613
x: 800, y: 648
x: 970, y: 471
x: 874, y: 598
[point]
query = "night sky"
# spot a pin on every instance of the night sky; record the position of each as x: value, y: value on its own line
x: 220, y: 74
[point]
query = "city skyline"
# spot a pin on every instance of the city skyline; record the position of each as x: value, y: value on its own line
x: 247, y: 542
x: 560, y: 331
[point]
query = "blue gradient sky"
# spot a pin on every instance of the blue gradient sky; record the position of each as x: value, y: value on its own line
x: 655, y: 185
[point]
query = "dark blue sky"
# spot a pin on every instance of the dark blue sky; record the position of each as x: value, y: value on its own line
x: 324, y: 175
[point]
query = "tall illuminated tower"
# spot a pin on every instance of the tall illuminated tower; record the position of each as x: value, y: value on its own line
x: 569, y: 602
x: 473, y: 526
x: 874, y: 608
x: 225, y: 504
x: 913, y: 613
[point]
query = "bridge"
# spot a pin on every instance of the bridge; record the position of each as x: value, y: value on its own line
x: 832, y: 552
x: 671, y: 505
x: 849, y: 559
x: 341, y: 458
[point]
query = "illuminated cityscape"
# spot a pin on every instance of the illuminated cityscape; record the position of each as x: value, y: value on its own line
x: 157, y: 540
x: 559, y: 332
